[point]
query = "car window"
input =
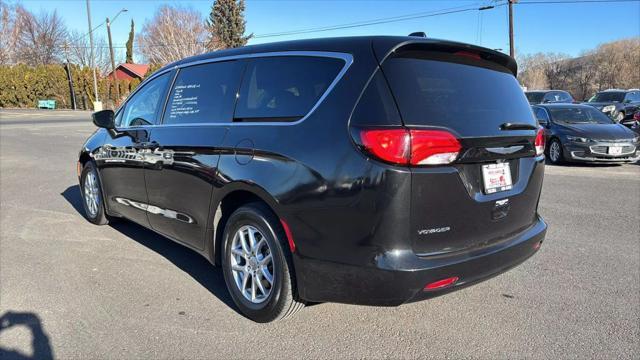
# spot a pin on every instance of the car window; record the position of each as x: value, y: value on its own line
x: 565, y: 97
x: 204, y: 94
x: 472, y: 100
x: 541, y: 115
x: 534, y: 97
x: 608, y: 96
x: 143, y: 107
x: 551, y: 97
x: 633, y: 96
x: 579, y: 115
x: 376, y: 106
x: 284, y: 88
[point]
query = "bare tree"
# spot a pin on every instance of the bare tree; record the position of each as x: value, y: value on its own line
x: 172, y: 34
x: 79, y: 51
x: 531, y: 70
x: 610, y: 65
x: 40, y: 38
x: 582, y: 75
x: 8, y: 33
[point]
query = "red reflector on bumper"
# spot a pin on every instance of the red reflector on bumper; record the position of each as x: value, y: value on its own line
x: 287, y: 232
x: 441, y: 283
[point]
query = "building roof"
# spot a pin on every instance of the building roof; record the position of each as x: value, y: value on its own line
x: 138, y: 69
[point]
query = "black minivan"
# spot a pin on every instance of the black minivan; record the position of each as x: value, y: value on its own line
x: 366, y: 170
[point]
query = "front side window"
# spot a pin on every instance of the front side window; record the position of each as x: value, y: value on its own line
x: 204, y: 94
x: 633, y: 96
x: 284, y: 88
x: 541, y: 115
x: 566, y: 97
x: 143, y: 107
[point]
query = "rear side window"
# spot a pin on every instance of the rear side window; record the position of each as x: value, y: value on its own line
x: 204, y: 94
x: 376, y: 106
x: 471, y: 100
x: 284, y: 88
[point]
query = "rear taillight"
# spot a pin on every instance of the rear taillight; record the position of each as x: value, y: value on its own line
x: 390, y: 145
x: 411, y: 147
x: 540, y: 142
x: 433, y: 147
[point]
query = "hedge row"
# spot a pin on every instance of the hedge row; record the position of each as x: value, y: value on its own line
x: 21, y: 86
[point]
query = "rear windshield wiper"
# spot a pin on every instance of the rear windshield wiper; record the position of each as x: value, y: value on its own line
x: 517, y: 126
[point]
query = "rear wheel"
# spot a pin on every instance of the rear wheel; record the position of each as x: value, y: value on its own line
x: 555, y: 152
x: 257, y: 265
x: 92, y: 195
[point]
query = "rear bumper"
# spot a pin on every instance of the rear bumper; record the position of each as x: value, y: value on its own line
x: 399, y: 276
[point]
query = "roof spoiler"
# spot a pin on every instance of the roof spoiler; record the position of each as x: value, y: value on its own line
x: 385, y: 47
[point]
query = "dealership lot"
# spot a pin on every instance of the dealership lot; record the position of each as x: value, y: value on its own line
x: 82, y: 291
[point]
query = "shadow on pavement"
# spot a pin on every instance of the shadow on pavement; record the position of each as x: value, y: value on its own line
x: 184, y: 258
x: 41, y: 347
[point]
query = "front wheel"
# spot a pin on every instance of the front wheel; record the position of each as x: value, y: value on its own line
x: 619, y: 117
x: 555, y: 152
x: 92, y: 195
x: 257, y: 265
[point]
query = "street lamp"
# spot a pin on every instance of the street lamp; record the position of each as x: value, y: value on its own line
x: 113, y: 64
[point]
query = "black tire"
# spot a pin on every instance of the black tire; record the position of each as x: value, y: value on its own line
x: 553, y: 158
x: 282, y: 300
x: 97, y: 216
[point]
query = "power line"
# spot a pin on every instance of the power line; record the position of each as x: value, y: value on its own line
x: 386, y: 20
x: 475, y: 7
x: 573, y: 2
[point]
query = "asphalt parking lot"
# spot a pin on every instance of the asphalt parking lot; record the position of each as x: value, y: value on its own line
x: 69, y: 289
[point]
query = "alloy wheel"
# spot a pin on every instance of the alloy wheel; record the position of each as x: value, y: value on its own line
x: 554, y: 151
x: 91, y: 194
x: 252, y: 264
x: 619, y: 117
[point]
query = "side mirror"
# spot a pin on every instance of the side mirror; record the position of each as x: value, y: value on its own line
x: 104, y: 119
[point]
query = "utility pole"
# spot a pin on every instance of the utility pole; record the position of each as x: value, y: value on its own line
x: 92, y: 62
x: 70, y: 77
x: 113, y: 63
x: 512, y: 50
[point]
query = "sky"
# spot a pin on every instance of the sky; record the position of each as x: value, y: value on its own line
x: 567, y: 28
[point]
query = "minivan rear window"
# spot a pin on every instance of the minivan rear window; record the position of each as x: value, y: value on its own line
x: 284, y: 88
x: 471, y: 100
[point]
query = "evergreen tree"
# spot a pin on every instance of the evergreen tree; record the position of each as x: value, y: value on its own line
x: 226, y: 25
x: 130, y: 46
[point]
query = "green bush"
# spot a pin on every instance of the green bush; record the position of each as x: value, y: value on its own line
x: 21, y: 86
